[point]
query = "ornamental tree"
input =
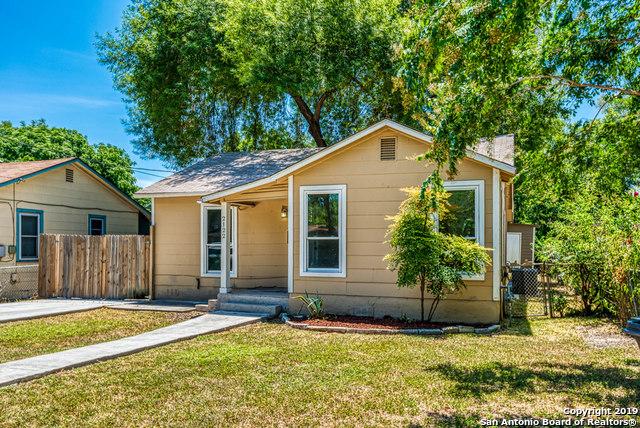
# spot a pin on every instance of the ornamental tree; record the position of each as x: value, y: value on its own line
x: 422, y: 255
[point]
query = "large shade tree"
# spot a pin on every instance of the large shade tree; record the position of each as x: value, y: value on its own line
x: 477, y: 68
x: 203, y: 76
x: 38, y: 141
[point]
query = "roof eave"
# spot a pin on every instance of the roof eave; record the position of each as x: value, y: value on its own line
x: 167, y: 194
x: 115, y: 188
x: 357, y: 136
x: 35, y: 173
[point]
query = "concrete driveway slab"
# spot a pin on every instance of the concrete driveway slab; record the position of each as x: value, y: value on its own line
x: 29, y: 309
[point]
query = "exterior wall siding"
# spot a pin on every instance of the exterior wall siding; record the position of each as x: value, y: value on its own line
x: 66, y: 206
x: 373, y: 194
x: 262, y: 248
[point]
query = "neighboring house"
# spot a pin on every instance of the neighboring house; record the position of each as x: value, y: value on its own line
x: 521, y: 241
x: 314, y: 220
x: 59, y: 196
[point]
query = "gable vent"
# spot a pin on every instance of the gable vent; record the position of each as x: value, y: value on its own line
x: 387, y: 149
x: 68, y: 173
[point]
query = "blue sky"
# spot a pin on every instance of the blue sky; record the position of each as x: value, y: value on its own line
x: 49, y: 70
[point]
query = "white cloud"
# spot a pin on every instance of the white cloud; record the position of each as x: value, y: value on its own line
x: 39, y: 100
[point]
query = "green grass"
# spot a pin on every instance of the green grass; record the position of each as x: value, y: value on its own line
x: 271, y: 375
x: 24, y: 339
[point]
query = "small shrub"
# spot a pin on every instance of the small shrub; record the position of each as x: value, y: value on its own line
x: 422, y: 255
x: 314, y: 304
x: 558, y: 302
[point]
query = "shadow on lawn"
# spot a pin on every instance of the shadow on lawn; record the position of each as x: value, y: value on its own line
x: 518, y: 327
x: 575, y: 379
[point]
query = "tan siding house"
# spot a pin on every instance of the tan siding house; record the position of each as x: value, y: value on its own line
x: 311, y: 220
x: 58, y: 196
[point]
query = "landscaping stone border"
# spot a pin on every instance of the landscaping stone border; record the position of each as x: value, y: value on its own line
x: 416, y: 331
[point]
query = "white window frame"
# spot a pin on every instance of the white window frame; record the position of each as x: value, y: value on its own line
x: 204, y: 209
x: 341, y: 190
x: 478, y: 187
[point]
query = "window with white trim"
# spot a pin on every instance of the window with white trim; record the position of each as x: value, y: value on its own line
x: 465, y: 210
x: 465, y: 216
x: 212, y: 240
x: 323, y: 230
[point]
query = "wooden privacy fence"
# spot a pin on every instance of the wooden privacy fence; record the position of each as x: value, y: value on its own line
x: 106, y: 267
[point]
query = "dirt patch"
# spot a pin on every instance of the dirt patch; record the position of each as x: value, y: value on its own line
x: 605, y: 336
x: 374, y: 323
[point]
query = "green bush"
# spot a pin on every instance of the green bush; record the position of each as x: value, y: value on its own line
x: 595, y: 245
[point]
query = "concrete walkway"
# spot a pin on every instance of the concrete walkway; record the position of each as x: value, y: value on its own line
x: 29, y: 309
x: 42, y: 365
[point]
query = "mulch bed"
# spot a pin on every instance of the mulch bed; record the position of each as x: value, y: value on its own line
x: 373, y: 323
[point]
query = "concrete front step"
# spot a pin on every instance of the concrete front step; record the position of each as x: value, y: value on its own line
x: 203, y: 307
x: 242, y: 314
x: 265, y: 298
x: 231, y: 306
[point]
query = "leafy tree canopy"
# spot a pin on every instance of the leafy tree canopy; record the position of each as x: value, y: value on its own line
x: 203, y: 75
x: 595, y: 243
x: 38, y: 141
x: 602, y: 155
x: 475, y: 69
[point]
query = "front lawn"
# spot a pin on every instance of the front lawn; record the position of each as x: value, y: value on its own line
x: 271, y: 375
x: 22, y: 339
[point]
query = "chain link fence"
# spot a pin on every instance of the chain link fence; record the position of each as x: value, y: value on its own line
x: 537, y: 290
x: 18, y: 282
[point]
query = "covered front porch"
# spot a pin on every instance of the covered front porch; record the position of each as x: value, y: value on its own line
x: 247, y: 240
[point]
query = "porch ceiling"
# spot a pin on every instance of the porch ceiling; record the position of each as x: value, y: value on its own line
x: 263, y: 193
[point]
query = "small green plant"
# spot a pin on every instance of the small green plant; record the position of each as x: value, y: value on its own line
x: 558, y: 302
x: 314, y: 304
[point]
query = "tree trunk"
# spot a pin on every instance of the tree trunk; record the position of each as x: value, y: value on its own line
x: 316, y: 133
x: 313, y: 117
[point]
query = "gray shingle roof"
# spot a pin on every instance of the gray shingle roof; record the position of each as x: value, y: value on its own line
x: 228, y: 170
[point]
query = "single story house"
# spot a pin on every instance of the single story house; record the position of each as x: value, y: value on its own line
x: 59, y: 196
x: 314, y: 220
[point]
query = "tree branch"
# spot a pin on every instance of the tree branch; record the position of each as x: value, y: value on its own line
x: 575, y: 84
x: 303, y: 106
x: 324, y: 97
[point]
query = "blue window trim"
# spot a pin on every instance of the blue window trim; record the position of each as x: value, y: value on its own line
x: 97, y: 217
x: 40, y: 214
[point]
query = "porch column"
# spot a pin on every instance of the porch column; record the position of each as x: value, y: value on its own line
x: 290, y: 237
x: 497, y: 233
x: 225, y: 252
